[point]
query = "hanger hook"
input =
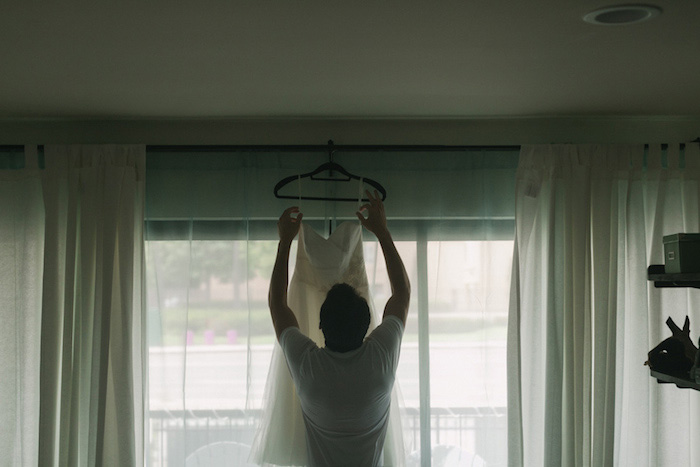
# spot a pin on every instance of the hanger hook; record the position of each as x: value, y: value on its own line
x: 331, y: 150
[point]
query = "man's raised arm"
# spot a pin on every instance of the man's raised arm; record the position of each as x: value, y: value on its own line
x: 282, y: 315
x: 397, y: 305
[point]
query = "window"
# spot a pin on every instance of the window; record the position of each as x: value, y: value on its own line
x: 211, y: 338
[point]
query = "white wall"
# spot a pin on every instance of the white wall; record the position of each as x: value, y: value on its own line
x: 495, y: 131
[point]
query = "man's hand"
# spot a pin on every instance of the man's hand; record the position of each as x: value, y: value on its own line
x: 288, y: 226
x: 376, y: 218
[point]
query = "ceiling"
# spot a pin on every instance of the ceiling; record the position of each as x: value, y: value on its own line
x: 327, y: 59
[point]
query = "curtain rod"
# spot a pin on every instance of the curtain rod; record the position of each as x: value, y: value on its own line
x: 313, y: 148
x: 302, y: 148
x: 324, y: 148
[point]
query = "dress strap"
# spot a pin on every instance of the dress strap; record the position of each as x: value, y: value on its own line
x: 359, y: 195
x: 299, y: 190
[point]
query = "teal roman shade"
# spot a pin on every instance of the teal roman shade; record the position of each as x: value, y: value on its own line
x: 229, y: 194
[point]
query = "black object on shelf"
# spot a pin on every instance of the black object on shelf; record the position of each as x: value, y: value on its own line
x: 657, y: 273
x: 680, y: 382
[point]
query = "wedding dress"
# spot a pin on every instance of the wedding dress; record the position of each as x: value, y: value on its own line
x: 320, y: 263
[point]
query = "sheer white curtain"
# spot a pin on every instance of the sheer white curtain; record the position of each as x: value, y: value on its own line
x: 91, y: 374
x: 71, y: 242
x: 589, y: 221
x: 21, y: 266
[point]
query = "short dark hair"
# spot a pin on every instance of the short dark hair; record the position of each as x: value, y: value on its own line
x: 344, y: 318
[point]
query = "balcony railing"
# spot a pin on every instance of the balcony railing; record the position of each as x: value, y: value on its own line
x: 474, y: 435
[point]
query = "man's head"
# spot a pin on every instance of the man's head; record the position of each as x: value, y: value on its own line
x: 344, y: 318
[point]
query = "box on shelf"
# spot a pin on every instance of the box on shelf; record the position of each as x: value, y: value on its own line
x: 682, y: 253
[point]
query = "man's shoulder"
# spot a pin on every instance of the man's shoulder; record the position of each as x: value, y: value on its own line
x: 393, y: 319
x: 391, y: 324
x: 287, y: 331
x: 388, y: 334
x: 293, y: 340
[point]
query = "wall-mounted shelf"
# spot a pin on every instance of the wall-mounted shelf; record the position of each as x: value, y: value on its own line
x: 680, y: 382
x: 657, y: 273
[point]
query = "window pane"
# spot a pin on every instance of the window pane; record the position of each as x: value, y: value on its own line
x: 210, y: 342
x: 407, y: 372
x: 468, y: 291
x: 211, y: 339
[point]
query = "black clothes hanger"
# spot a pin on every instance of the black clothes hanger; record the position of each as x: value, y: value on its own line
x: 329, y: 167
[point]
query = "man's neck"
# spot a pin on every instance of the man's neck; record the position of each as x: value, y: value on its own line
x: 341, y: 349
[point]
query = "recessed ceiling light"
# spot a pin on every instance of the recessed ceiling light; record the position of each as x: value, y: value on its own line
x: 622, y: 14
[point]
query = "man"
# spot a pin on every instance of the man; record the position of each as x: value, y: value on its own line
x: 344, y: 387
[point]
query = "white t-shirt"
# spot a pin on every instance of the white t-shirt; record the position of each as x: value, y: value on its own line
x: 345, y: 397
